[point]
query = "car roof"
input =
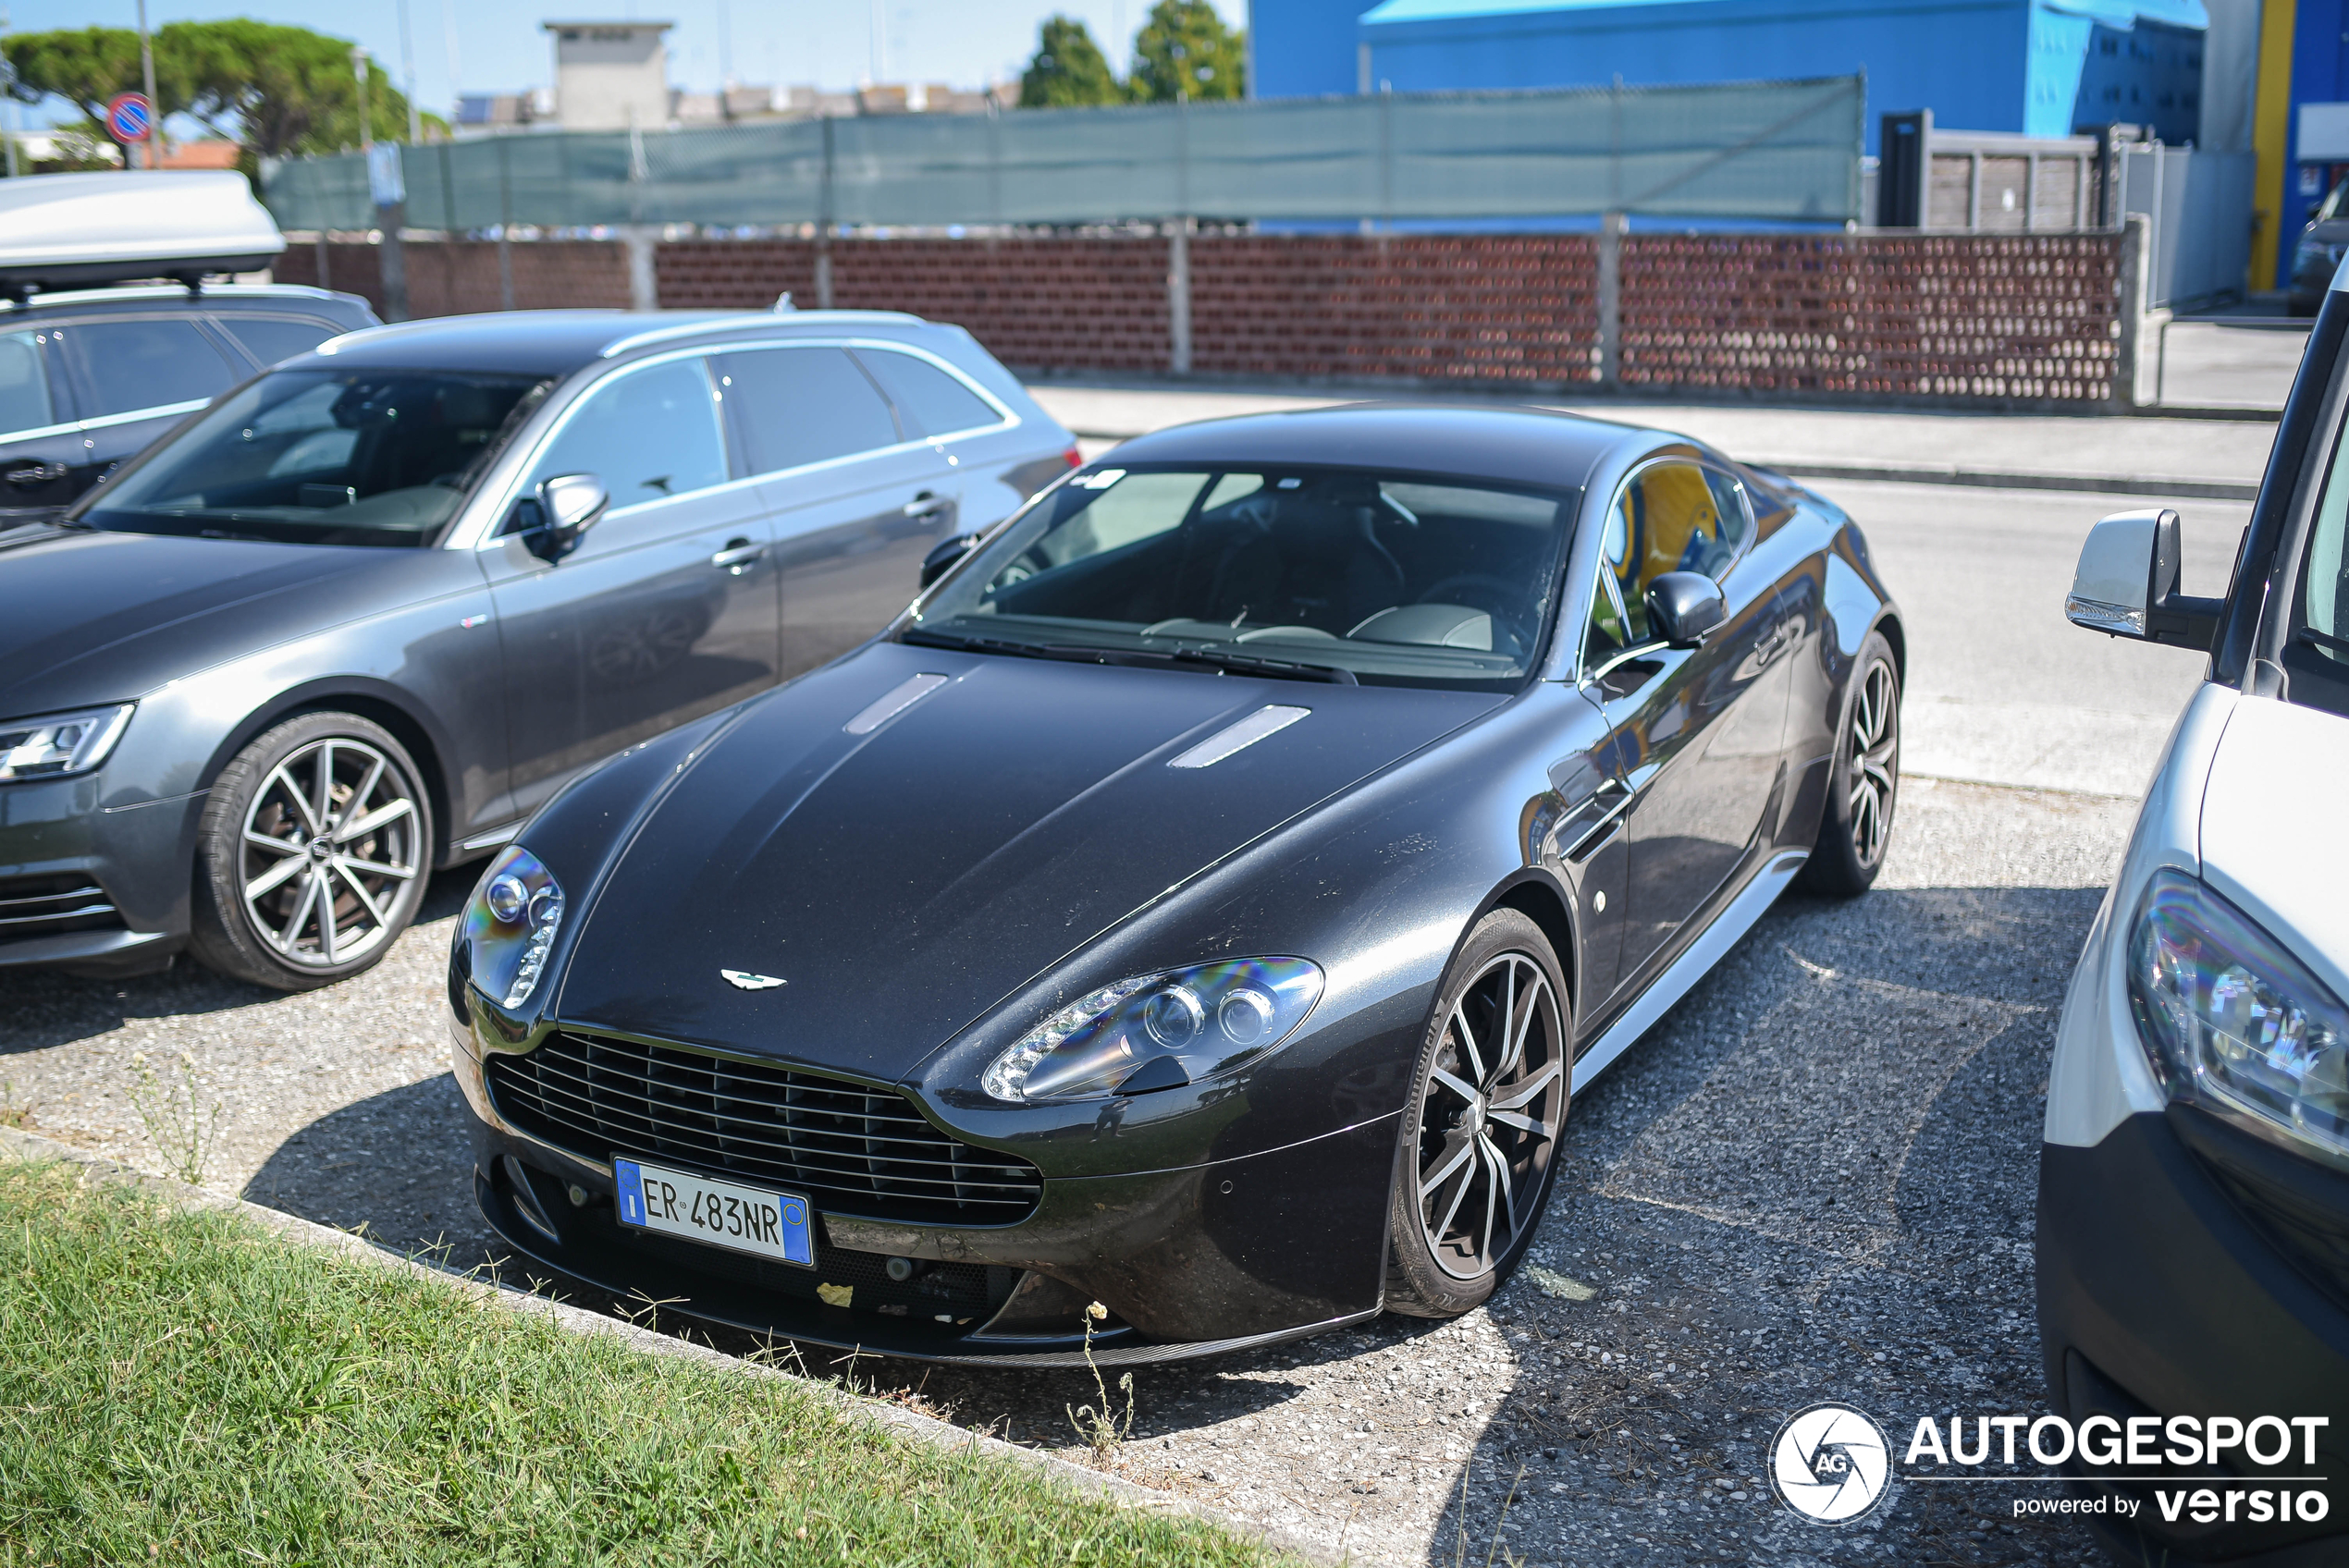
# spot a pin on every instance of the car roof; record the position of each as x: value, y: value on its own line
x: 1522, y: 446
x: 557, y: 342
x: 148, y: 296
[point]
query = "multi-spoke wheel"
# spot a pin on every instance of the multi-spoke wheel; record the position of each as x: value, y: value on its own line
x: 1856, y: 826
x: 1480, y: 1135
x: 316, y: 844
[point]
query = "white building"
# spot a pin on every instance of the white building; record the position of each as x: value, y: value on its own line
x: 611, y: 76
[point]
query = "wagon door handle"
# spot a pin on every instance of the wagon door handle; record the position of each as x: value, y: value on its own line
x: 738, y: 557
x: 926, y: 505
x: 36, y: 473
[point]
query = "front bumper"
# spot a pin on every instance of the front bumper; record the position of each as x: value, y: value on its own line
x: 131, y: 862
x: 2174, y: 1278
x: 1202, y: 1260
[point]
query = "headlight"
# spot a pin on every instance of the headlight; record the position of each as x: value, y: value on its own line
x: 59, y: 743
x: 1159, y: 1031
x: 511, y: 922
x: 2229, y: 1016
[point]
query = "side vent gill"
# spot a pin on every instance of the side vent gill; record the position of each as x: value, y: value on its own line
x: 1240, y: 736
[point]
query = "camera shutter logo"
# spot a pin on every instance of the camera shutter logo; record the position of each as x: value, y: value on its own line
x: 1830, y: 1463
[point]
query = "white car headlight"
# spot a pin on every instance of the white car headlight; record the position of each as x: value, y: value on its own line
x: 2231, y: 1017
x: 511, y: 922
x: 58, y: 744
x: 1159, y: 1031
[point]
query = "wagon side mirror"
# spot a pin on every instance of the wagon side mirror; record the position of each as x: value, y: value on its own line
x: 2126, y: 584
x: 944, y: 554
x: 1685, y: 607
x: 568, y: 506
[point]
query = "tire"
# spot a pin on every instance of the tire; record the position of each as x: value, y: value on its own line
x: 372, y: 866
x: 1855, y: 828
x: 1442, y: 1256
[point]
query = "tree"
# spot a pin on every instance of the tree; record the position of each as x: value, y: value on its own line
x: 1069, y: 72
x: 1185, y: 50
x: 273, y: 89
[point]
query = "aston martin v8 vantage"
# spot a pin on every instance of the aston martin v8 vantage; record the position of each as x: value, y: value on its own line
x: 1204, y: 901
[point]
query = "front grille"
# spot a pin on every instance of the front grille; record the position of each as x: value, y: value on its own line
x: 46, y: 906
x: 855, y: 1150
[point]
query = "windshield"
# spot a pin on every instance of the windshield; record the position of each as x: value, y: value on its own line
x: 1323, y: 574
x: 323, y: 456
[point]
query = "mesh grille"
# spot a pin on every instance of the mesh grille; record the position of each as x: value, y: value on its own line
x: 45, y: 906
x: 855, y: 1150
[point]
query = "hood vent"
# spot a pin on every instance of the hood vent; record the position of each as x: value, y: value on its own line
x: 1268, y: 720
x: 896, y: 700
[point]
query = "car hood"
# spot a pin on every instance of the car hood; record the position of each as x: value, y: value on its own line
x: 89, y: 617
x: 903, y: 881
x: 2269, y: 842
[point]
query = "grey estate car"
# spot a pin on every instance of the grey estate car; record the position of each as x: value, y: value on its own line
x: 370, y: 609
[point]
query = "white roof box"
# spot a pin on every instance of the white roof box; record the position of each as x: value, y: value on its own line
x: 81, y: 230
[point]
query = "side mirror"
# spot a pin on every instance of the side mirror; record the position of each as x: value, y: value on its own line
x: 568, y: 505
x: 944, y: 554
x: 2126, y: 584
x: 1685, y: 607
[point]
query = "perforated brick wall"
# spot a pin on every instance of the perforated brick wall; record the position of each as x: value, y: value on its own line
x: 1464, y: 308
x: 1976, y: 316
x: 447, y: 279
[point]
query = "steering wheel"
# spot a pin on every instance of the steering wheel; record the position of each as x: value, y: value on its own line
x: 1497, y: 596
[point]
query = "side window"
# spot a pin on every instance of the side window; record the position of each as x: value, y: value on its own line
x: 1671, y: 517
x: 1736, y: 521
x: 271, y: 339
x: 1616, y: 623
x: 130, y: 365
x: 929, y: 401
x: 791, y: 406
x: 646, y: 433
x: 25, y: 402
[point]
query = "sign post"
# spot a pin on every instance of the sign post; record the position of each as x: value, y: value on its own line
x: 131, y: 120
x: 388, y: 190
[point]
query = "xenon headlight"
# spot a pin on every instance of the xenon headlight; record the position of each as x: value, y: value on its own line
x: 2231, y: 1017
x: 58, y: 744
x: 509, y: 924
x: 1159, y: 1031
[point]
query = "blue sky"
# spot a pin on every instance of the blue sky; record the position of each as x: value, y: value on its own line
x: 499, y: 46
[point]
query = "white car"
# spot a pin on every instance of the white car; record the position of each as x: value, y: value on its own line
x: 2194, y: 1186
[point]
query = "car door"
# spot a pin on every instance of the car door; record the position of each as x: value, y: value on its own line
x: 666, y: 607
x: 856, y: 501
x: 1698, y: 732
x: 40, y: 440
x: 137, y: 376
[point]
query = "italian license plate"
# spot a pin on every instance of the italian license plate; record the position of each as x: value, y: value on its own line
x: 716, y: 1214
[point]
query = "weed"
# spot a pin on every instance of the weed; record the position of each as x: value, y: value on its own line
x: 1099, y: 1425
x: 13, y: 1111
x: 1496, y: 1551
x: 181, y: 1131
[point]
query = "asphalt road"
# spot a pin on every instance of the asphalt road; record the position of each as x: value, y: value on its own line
x: 1812, y: 1180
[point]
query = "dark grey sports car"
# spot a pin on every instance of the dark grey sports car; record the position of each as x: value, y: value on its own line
x: 1204, y: 901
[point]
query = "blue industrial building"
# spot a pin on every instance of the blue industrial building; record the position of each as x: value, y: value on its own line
x: 2043, y: 67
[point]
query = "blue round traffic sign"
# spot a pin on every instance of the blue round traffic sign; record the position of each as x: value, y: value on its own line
x: 130, y: 117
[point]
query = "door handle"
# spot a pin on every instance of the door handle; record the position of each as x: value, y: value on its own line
x: 738, y: 557
x: 36, y: 473
x: 926, y: 505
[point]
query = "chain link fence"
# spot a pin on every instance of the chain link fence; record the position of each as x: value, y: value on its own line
x: 1784, y: 152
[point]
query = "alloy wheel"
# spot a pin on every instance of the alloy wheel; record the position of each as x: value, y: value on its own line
x: 1875, y: 741
x: 1489, y: 1116
x: 331, y: 837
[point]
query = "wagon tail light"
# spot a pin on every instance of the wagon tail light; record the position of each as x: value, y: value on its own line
x: 1072, y: 457
x: 1159, y: 1031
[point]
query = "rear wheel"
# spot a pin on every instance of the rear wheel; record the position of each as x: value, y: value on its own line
x: 1480, y: 1138
x: 1856, y: 827
x: 311, y: 855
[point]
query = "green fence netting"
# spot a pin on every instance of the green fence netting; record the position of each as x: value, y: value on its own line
x: 1780, y: 151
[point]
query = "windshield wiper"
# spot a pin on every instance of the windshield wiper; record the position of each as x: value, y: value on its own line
x: 1236, y: 662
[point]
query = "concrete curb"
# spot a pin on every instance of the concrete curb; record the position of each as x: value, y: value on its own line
x: 907, y: 1423
x: 1941, y: 473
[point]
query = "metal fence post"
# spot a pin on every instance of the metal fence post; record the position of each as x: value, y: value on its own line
x: 505, y: 226
x: 1611, y: 229
x: 2135, y: 369
x: 1179, y: 297
x: 824, y: 224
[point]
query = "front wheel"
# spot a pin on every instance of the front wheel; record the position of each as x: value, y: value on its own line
x: 311, y: 855
x: 1856, y: 827
x: 1479, y: 1136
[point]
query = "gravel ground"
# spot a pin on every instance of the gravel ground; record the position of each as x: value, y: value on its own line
x: 1813, y: 1180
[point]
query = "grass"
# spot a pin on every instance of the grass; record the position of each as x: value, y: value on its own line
x: 185, y: 1388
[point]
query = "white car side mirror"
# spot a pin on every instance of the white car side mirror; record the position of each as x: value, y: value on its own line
x: 2126, y: 584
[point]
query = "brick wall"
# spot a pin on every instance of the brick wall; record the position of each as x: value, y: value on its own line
x: 458, y: 277
x: 1997, y: 319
